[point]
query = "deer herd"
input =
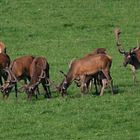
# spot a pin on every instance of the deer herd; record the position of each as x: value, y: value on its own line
x: 93, y: 68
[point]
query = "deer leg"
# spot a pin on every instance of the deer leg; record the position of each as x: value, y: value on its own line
x: 95, y: 84
x: 102, y: 88
x: 36, y: 96
x: 48, y: 87
x: 4, y: 75
x: 133, y: 73
x: 83, y: 84
x: 109, y: 79
x: 89, y: 86
x: 16, y: 90
x: 47, y: 90
x: 37, y: 91
x: 1, y: 81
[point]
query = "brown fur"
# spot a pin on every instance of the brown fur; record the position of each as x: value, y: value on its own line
x: 4, y: 63
x: 97, y: 77
x: 39, y: 73
x: 19, y: 69
x: 87, y: 65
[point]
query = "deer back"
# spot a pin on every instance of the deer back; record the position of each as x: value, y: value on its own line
x: 20, y: 66
x: 4, y: 61
x: 39, y: 69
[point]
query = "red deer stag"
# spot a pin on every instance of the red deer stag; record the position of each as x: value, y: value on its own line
x: 4, y: 63
x: 86, y: 66
x: 19, y: 69
x: 132, y: 57
x: 98, y: 78
x: 2, y: 48
x: 39, y: 73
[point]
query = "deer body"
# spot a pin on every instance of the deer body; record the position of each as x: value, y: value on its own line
x: 132, y: 57
x: 88, y: 65
x: 39, y: 73
x: 19, y: 69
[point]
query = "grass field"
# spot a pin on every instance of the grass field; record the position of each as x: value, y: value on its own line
x: 62, y: 30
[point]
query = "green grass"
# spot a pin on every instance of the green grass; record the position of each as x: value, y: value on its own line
x: 62, y: 30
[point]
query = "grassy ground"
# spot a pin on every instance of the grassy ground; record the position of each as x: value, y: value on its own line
x: 62, y: 30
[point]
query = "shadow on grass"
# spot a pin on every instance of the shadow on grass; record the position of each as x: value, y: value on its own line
x: 71, y: 95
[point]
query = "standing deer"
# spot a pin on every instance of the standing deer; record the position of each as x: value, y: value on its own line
x: 132, y: 57
x: 88, y: 65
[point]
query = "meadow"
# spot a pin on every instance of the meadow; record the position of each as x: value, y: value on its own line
x: 61, y: 30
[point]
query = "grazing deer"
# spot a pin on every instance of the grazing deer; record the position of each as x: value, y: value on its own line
x: 18, y: 70
x: 98, y: 78
x: 39, y: 73
x: 132, y: 57
x: 88, y: 65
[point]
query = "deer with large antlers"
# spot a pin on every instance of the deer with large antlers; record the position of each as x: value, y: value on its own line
x: 18, y: 70
x: 132, y: 57
x: 39, y: 73
x: 86, y: 66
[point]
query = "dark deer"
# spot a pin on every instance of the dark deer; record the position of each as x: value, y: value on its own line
x: 88, y: 65
x: 39, y: 73
x: 4, y: 63
x: 18, y: 70
x: 132, y: 57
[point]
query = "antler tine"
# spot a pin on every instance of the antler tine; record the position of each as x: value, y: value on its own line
x: 63, y: 73
x: 52, y: 82
x: 119, y: 46
x: 117, y: 34
x: 135, y: 48
x: 138, y: 45
x: 8, y: 71
x: 42, y: 75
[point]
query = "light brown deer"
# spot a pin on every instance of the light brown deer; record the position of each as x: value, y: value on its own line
x: 88, y: 65
x: 98, y: 78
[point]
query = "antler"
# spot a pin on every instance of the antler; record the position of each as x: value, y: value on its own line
x: 63, y: 73
x: 133, y: 50
x: 117, y: 36
x: 8, y: 70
